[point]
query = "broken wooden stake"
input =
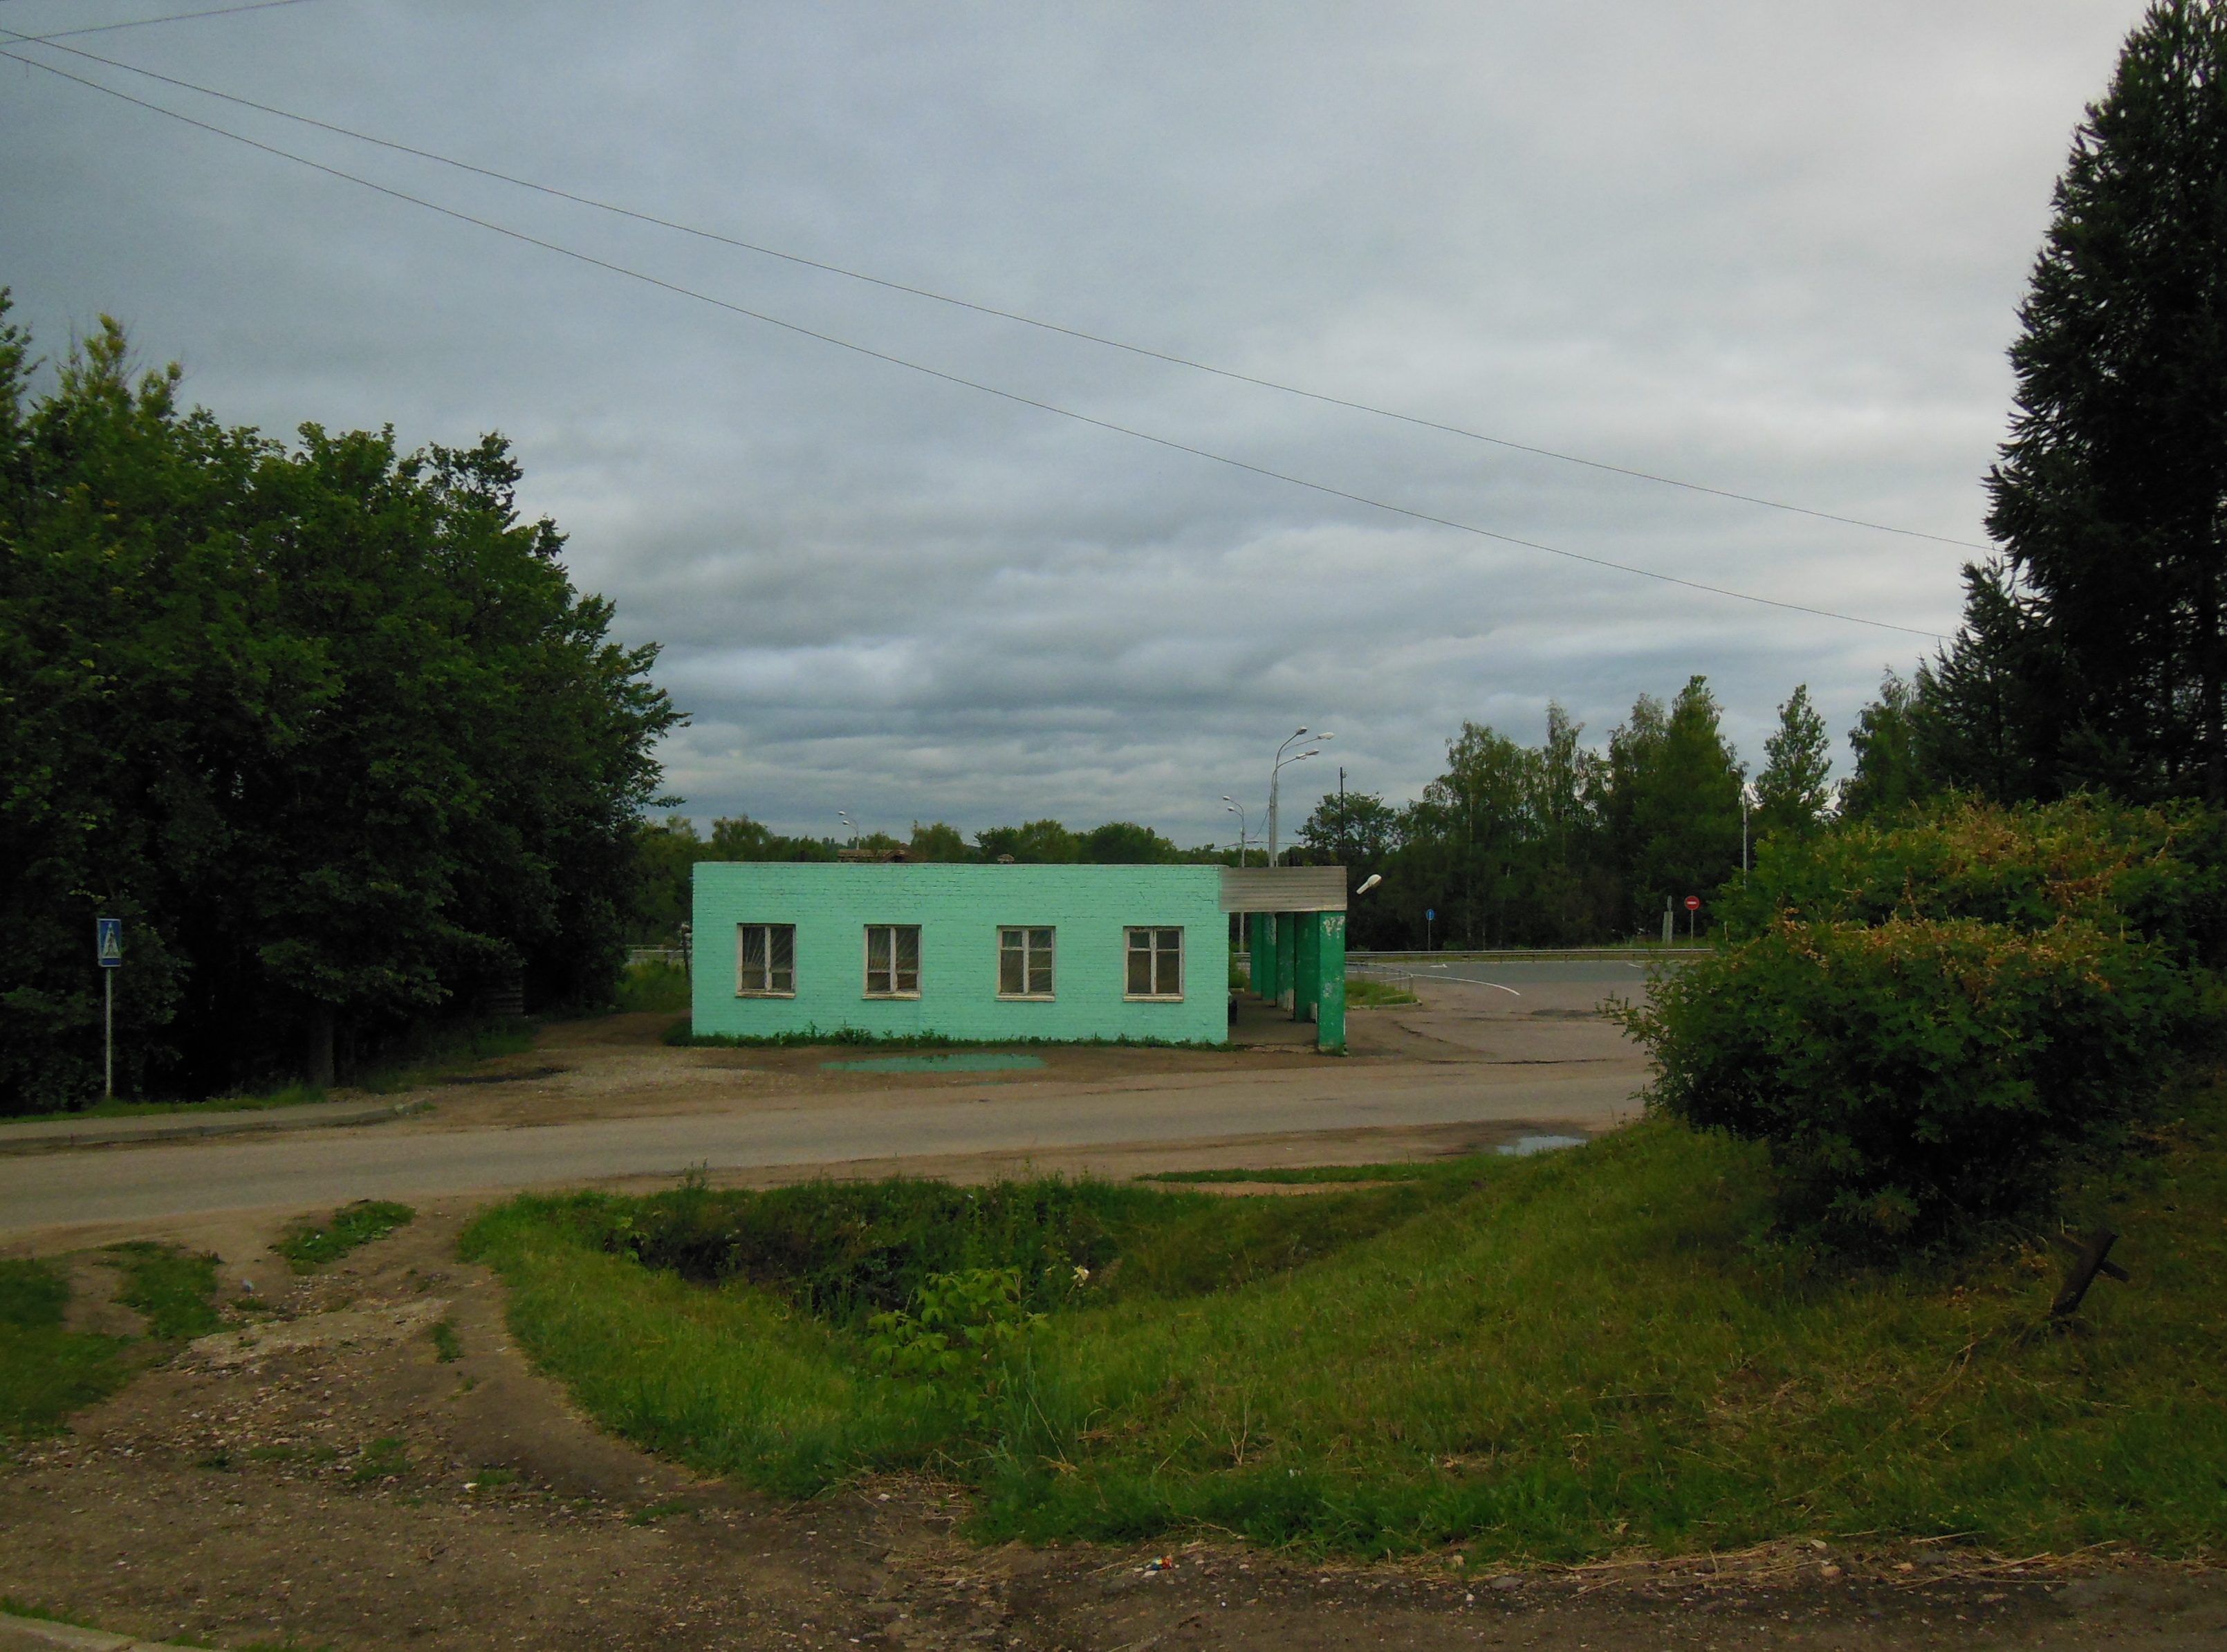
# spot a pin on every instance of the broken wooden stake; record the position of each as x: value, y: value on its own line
x: 2088, y: 1260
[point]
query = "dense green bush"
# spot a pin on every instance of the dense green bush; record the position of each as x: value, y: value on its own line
x: 1923, y: 1021
x: 2161, y: 870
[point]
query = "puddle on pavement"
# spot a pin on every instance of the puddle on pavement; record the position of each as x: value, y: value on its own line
x: 959, y: 1063
x: 1524, y: 1146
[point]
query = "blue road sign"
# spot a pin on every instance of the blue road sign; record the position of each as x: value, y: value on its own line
x: 108, y: 941
x: 1428, y: 914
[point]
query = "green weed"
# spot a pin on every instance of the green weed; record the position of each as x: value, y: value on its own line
x: 964, y: 1339
x: 383, y: 1459
x: 309, y: 1246
x: 174, y: 1289
x: 447, y: 1348
x: 654, y: 985
x: 14, y: 1608
x: 1361, y: 993
x: 657, y: 1511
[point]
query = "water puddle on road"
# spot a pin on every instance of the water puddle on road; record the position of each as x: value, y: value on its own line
x: 1524, y: 1146
x: 985, y: 1062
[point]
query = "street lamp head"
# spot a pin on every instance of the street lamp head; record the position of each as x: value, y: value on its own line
x: 1369, y: 883
x: 1325, y: 736
x: 1297, y: 732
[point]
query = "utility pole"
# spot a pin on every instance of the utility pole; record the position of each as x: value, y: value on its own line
x: 1341, y: 812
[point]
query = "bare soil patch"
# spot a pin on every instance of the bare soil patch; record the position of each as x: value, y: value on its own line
x: 327, y: 1477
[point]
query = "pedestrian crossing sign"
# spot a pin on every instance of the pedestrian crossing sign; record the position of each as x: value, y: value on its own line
x: 108, y: 941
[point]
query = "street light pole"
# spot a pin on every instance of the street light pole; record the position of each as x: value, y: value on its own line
x: 1244, y: 835
x: 1275, y: 777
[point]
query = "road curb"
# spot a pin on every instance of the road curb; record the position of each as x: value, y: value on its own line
x: 55, y: 1138
x: 82, y: 1640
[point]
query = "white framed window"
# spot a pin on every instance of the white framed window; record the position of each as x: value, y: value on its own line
x: 1025, y: 963
x: 1155, y: 964
x: 765, y: 960
x: 892, y: 960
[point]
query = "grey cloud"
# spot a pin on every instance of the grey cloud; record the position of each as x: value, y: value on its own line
x: 1777, y: 249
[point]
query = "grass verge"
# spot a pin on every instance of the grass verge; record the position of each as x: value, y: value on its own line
x: 48, y: 1372
x: 309, y: 1246
x: 1361, y: 993
x: 291, y: 1095
x: 1553, y: 1358
x: 1313, y: 1175
x: 172, y: 1289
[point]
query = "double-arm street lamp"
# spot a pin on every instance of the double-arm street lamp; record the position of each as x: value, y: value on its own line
x: 1244, y: 835
x: 1275, y: 775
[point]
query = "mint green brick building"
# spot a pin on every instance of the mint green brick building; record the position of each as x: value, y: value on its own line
x: 1000, y: 951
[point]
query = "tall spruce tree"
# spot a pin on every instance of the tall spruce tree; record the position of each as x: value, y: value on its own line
x: 1795, y: 787
x: 2110, y: 495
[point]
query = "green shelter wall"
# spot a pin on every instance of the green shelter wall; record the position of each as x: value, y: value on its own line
x: 959, y: 911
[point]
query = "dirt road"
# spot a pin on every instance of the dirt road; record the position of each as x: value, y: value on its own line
x: 597, y: 1101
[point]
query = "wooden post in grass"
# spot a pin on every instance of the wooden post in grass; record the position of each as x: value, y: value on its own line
x: 2088, y: 1260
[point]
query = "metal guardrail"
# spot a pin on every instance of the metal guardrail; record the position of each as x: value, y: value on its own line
x: 1538, y: 954
x: 654, y: 955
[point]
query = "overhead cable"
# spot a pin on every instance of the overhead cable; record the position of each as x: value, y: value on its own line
x: 1004, y: 315
x: 147, y: 22
x: 972, y: 384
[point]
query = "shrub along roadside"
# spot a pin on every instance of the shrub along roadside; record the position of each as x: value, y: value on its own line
x: 1919, y: 1076
x: 1563, y: 1358
x: 1925, y: 1021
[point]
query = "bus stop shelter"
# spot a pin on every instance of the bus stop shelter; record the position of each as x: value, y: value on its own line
x: 1294, y: 919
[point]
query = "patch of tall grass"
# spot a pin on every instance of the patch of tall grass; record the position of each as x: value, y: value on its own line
x: 435, y: 1052
x: 653, y: 984
x: 1558, y: 1357
x: 174, y: 1289
x: 311, y: 1244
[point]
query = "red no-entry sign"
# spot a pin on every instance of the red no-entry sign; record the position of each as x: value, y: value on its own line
x: 1693, y: 903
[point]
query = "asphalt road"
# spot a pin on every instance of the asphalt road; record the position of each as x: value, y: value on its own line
x: 1517, y: 976
x: 412, y: 1159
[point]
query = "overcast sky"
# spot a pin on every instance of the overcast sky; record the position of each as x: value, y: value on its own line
x: 1771, y: 248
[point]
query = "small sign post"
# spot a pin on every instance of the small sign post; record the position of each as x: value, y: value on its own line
x: 1428, y: 914
x: 1693, y: 910
x: 108, y: 951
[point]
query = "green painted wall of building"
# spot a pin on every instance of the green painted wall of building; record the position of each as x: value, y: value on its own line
x: 959, y: 911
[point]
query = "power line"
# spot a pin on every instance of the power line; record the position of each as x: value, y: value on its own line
x: 147, y: 22
x: 993, y: 310
x: 971, y: 383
